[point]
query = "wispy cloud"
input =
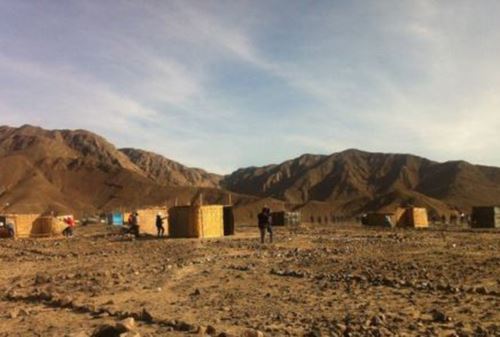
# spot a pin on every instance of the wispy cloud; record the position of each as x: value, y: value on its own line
x: 225, y: 84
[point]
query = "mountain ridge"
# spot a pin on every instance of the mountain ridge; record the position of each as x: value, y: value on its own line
x: 78, y: 169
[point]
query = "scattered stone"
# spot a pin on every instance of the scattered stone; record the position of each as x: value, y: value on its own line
x: 106, y: 330
x: 13, y: 314
x: 146, y: 316
x: 313, y: 333
x: 78, y: 334
x: 130, y: 334
x: 201, y: 331
x: 211, y: 330
x: 439, y: 316
x: 128, y: 324
x: 253, y: 333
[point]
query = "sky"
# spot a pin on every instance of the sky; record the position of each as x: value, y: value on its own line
x: 229, y: 84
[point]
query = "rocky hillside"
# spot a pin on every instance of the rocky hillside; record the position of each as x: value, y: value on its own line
x: 168, y: 172
x: 357, y: 181
x: 78, y: 171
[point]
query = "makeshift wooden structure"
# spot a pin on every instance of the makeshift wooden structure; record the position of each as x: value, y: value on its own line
x: 115, y: 219
x: 34, y: 225
x: 228, y: 219
x: 23, y: 223
x: 403, y: 217
x: 46, y: 226
x: 379, y: 219
x: 286, y: 218
x: 147, y: 219
x: 196, y: 221
x: 414, y: 217
x: 485, y: 217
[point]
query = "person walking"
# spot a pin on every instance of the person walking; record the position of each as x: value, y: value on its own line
x: 265, y: 224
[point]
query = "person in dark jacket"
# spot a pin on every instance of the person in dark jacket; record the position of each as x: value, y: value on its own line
x: 159, y: 225
x: 134, y: 224
x: 265, y: 223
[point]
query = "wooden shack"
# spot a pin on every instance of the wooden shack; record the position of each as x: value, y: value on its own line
x: 379, y: 219
x: 196, y: 221
x: 47, y: 226
x: 414, y: 217
x: 485, y: 217
x: 115, y: 219
x: 35, y: 225
x: 228, y: 218
x: 147, y: 219
x: 286, y: 218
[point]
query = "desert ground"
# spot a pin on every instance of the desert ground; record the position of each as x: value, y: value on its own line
x: 341, y: 280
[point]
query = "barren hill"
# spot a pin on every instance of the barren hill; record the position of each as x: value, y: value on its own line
x: 78, y: 171
x: 168, y: 172
x: 354, y: 181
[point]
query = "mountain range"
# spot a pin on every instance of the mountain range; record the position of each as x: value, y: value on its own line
x: 80, y: 172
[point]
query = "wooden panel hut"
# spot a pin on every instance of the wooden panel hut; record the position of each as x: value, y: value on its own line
x: 414, y: 217
x: 115, y: 219
x: 286, y: 218
x: 196, y: 221
x: 34, y: 225
x: 228, y: 218
x: 147, y: 219
x: 46, y: 226
x: 485, y: 217
x: 379, y: 219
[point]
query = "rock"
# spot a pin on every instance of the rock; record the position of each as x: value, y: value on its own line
x: 130, y: 334
x: 201, y: 331
x: 225, y: 334
x: 78, y: 334
x: 106, y: 330
x: 23, y: 312
x: 183, y: 326
x: 313, y: 333
x: 253, y: 333
x: 128, y: 324
x: 146, y: 316
x: 13, y: 314
x: 481, y: 290
x: 439, y: 316
x: 377, y: 320
x: 211, y: 330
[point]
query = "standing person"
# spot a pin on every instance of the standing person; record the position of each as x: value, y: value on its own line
x: 265, y: 223
x: 10, y: 229
x: 134, y: 224
x: 159, y: 225
x: 68, y: 231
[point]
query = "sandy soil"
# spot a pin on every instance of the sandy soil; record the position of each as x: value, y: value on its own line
x: 313, y: 281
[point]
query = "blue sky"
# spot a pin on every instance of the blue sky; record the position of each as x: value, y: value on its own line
x: 227, y: 84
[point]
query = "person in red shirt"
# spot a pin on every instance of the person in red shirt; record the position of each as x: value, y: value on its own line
x: 70, y: 222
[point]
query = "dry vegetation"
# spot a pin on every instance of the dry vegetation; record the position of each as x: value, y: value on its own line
x: 313, y: 281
